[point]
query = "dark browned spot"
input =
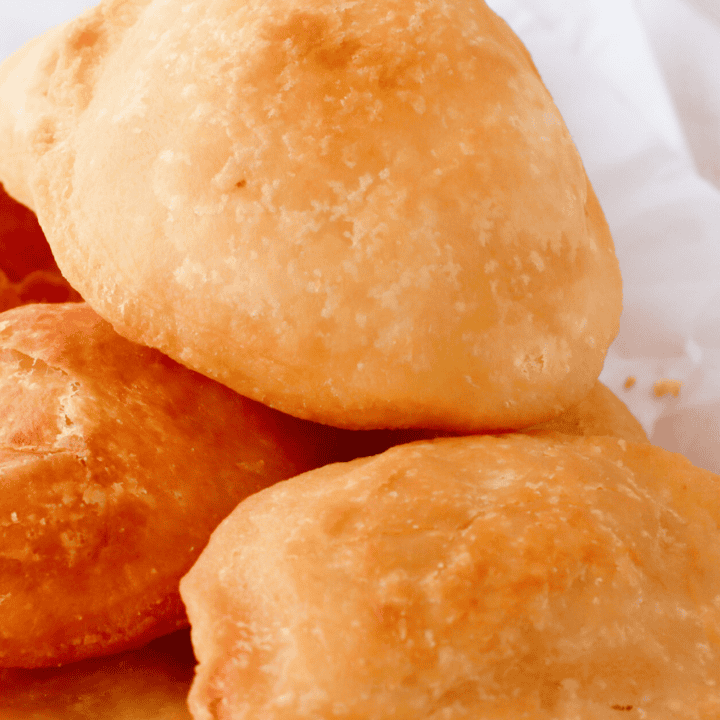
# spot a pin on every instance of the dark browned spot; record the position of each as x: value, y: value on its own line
x: 621, y: 707
x: 306, y: 35
x: 241, y: 183
x: 82, y: 55
x: 86, y: 38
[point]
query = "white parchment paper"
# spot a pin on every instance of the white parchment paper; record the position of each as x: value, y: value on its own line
x: 639, y: 86
x: 638, y: 82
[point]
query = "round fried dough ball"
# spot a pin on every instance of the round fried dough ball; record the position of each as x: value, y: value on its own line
x: 367, y: 214
x: 499, y: 577
x: 116, y: 464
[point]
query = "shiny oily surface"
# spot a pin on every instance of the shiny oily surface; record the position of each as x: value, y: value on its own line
x: 496, y: 577
x: 366, y: 214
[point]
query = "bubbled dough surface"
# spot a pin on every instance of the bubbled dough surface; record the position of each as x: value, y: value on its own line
x: 116, y: 464
x: 494, y: 577
x: 366, y: 214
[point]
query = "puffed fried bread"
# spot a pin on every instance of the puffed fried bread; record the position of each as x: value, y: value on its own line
x: 116, y: 464
x: 498, y: 577
x: 370, y: 215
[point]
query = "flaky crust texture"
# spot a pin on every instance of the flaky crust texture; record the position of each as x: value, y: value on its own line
x: 116, y: 464
x: 486, y: 577
x: 367, y: 214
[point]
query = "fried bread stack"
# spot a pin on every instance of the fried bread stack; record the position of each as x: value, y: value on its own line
x: 370, y: 216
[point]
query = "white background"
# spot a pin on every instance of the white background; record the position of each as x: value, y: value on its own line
x: 638, y: 82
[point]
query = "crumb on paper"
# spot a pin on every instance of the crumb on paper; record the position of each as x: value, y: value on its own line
x: 629, y: 382
x: 664, y: 387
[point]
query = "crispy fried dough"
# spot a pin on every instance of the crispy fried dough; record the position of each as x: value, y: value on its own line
x: 497, y: 577
x: 116, y: 463
x: 367, y: 214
